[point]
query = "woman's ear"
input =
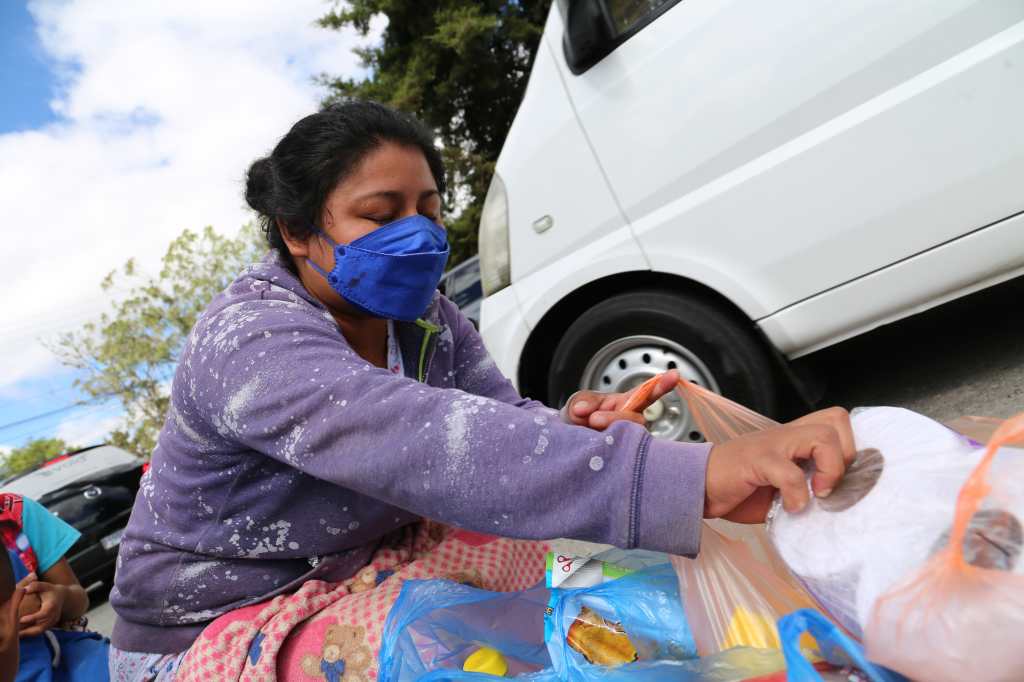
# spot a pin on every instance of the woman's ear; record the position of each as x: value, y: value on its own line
x: 299, y: 248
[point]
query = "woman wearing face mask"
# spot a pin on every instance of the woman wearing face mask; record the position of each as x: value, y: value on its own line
x: 330, y: 399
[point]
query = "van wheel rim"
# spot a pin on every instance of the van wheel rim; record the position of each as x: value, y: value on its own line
x: 626, y: 363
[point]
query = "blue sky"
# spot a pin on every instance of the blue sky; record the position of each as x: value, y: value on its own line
x: 26, y: 79
x: 124, y: 123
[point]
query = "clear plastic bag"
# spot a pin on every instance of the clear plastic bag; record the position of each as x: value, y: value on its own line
x: 919, y: 550
x: 961, y: 615
x: 738, y: 587
x: 733, y: 598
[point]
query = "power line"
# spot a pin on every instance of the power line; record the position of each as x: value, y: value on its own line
x: 49, y: 428
x: 44, y: 415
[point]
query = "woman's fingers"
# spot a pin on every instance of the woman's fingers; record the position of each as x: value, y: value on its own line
x: 581, y: 405
x: 603, y: 419
x: 599, y: 410
x: 666, y: 384
x: 820, y: 443
x: 838, y: 419
x: 739, y: 470
x: 790, y: 480
x: 755, y: 508
x: 829, y: 460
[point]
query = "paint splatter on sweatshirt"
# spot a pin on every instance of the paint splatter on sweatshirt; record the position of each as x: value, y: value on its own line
x: 286, y: 456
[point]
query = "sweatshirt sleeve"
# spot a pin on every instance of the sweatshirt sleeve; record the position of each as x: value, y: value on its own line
x: 288, y: 386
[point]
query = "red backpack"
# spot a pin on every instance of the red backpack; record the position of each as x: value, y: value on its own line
x: 11, y: 531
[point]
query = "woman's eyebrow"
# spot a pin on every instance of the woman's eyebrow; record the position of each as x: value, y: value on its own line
x: 384, y: 194
x: 395, y: 195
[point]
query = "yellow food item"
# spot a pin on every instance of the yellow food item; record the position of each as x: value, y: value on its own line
x: 747, y: 628
x: 486, y: 660
x: 600, y: 641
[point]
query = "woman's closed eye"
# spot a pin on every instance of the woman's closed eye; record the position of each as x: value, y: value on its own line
x: 384, y: 220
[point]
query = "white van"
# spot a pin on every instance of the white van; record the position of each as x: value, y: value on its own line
x: 721, y: 186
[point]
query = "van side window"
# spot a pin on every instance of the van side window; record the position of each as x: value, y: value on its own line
x: 594, y: 28
x: 626, y: 14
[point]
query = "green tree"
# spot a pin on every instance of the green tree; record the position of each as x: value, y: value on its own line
x: 130, y: 353
x: 460, y: 66
x: 32, y: 454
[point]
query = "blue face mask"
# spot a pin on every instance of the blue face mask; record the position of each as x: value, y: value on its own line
x: 391, y: 272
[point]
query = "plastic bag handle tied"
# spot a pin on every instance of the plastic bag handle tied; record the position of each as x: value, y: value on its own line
x: 977, y: 487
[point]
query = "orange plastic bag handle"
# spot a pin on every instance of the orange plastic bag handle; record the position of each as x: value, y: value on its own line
x: 977, y: 487
x: 718, y: 418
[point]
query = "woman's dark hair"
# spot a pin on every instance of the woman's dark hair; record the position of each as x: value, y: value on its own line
x: 291, y: 185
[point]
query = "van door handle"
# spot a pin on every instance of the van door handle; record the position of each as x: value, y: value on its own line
x: 543, y: 224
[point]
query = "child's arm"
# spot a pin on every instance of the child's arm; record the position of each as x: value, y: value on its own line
x: 10, y: 601
x: 62, y: 600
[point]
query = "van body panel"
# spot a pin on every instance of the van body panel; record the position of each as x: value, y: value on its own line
x: 795, y: 175
x: 974, y: 262
x: 612, y: 254
x: 549, y: 170
x: 826, y: 167
x: 505, y: 331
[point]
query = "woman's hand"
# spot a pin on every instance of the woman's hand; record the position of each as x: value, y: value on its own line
x: 600, y: 410
x: 743, y: 473
x: 51, y: 598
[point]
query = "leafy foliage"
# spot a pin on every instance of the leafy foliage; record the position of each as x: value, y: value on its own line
x: 32, y: 454
x: 461, y: 66
x: 130, y: 353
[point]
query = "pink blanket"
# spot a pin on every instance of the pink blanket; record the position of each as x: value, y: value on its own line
x: 331, y: 631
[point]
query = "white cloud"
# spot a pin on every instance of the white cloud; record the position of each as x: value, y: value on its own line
x: 86, y: 429
x: 163, y: 107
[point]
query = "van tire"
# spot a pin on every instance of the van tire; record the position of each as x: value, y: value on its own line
x: 723, y: 342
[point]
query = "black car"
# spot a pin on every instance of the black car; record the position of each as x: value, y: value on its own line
x: 461, y: 284
x: 92, y: 489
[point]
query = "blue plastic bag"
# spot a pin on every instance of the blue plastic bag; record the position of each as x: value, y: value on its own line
x: 435, y: 625
x: 834, y: 646
x: 643, y: 607
x: 734, y: 665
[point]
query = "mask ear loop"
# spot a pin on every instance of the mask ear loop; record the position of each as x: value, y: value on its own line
x: 334, y: 246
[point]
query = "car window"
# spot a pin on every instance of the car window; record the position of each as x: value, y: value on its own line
x: 73, y: 509
x: 465, y: 296
x: 78, y: 467
x: 627, y: 14
x: 463, y: 285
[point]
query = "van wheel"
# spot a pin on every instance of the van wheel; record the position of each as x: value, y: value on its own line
x: 626, y: 339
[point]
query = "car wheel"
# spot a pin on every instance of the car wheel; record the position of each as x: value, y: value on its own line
x: 624, y: 340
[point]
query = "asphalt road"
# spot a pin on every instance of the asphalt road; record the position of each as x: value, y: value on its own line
x: 101, y: 616
x: 964, y: 358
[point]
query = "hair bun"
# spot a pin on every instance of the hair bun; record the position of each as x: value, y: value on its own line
x: 260, y: 186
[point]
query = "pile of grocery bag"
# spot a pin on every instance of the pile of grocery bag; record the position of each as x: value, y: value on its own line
x: 913, y: 563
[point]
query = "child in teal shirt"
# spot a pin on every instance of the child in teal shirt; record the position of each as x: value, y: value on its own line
x: 36, y: 542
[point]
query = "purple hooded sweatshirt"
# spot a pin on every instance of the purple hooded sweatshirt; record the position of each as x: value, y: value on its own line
x: 287, y: 457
